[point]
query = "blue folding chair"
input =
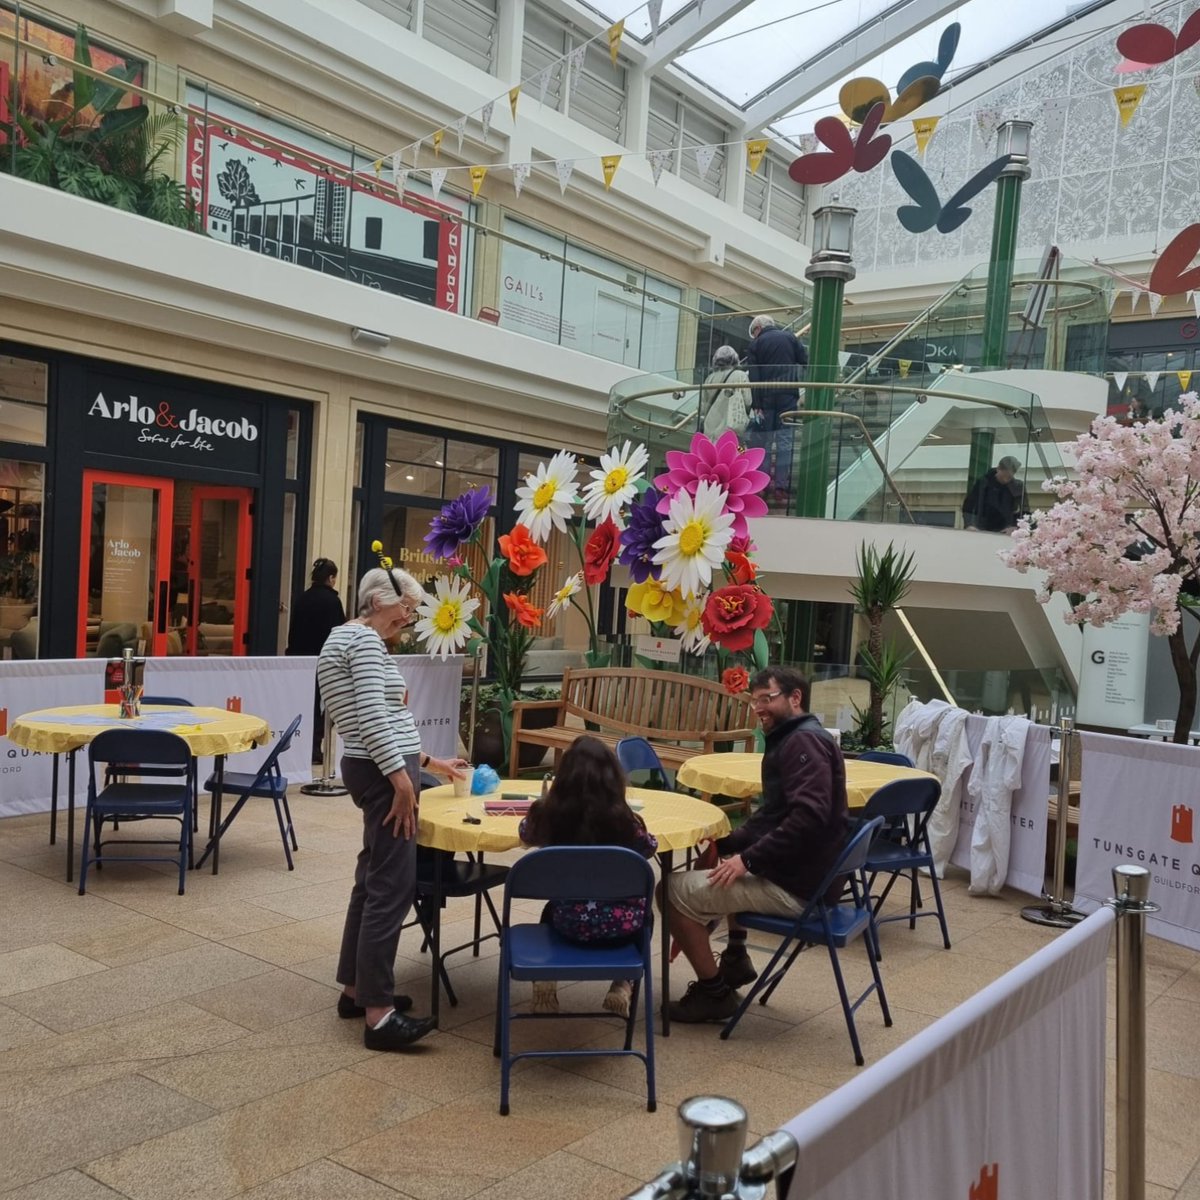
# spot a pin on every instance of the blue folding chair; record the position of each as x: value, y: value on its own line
x: 903, y: 848
x: 268, y: 782
x: 833, y: 926
x: 117, y: 771
x: 117, y: 749
x: 892, y: 757
x: 637, y: 754
x: 533, y: 951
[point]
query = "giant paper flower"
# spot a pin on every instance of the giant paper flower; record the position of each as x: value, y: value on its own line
x: 525, y: 613
x: 690, y: 629
x: 523, y: 553
x: 457, y: 522
x: 562, y: 597
x: 696, y: 532
x: 655, y: 601
x: 740, y: 566
x: 444, y: 618
x: 733, y: 614
x: 644, y: 528
x: 735, y: 680
x: 615, y: 484
x: 548, y: 496
x: 721, y: 462
x: 599, y: 551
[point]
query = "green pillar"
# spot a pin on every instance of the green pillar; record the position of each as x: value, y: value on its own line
x: 982, y: 443
x: 1013, y: 140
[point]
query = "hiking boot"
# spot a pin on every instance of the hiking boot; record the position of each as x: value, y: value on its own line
x: 701, y: 1003
x: 737, y: 968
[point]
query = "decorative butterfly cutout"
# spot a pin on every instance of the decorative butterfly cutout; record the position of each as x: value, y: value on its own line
x: 1150, y: 45
x: 845, y: 154
x: 917, y: 85
x: 929, y: 211
x: 1170, y: 276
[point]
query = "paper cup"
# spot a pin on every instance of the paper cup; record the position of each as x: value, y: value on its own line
x: 1164, y: 725
x: 462, y: 785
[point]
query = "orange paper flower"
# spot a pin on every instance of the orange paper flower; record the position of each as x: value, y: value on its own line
x: 523, y: 553
x: 735, y: 680
x: 742, y: 568
x: 526, y: 614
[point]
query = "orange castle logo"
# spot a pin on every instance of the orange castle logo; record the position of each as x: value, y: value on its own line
x: 3, y: 721
x: 1181, y: 824
x: 988, y: 1187
x: 234, y: 704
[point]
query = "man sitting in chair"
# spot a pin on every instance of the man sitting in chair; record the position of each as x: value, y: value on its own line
x: 775, y: 860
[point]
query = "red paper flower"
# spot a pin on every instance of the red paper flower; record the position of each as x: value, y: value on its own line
x: 735, y: 680
x: 744, y: 571
x: 525, y: 613
x: 523, y: 553
x: 601, y: 548
x: 733, y: 614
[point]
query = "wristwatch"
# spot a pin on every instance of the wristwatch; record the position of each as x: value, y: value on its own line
x: 426, y: 760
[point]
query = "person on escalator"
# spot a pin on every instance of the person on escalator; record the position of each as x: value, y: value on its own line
x: 775, y: 356
x: 997, y: 501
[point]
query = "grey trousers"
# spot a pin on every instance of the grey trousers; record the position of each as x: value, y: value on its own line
x: 385, y: 881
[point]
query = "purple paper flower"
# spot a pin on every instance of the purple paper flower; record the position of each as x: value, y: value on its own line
x: 457, y: 522
x: 642, y: 529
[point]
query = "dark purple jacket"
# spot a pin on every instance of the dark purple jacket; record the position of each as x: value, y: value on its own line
x: 796, y: 835
x: 779, y: 356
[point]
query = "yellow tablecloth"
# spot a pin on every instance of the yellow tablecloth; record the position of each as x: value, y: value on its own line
x: 740, y: 775
x: 677, y: 821
x: 222, y: 732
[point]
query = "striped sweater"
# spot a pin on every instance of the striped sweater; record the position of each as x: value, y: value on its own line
x: 362, y: 688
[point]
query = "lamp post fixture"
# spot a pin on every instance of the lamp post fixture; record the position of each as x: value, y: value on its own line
x: 829, y: 270
x: 1012, y: 139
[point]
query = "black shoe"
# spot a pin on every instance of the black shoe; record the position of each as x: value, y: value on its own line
x: 700, y: 1004
x: 348, y: 1008
x: 737, y: 967
x: 397, y: 1032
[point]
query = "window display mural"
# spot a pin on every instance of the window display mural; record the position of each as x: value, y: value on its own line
x: 280, y: 192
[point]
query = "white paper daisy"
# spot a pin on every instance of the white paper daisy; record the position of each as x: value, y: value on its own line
x: 444, y: 618
x: 690, y: 629
x: 562, y: 598
x: 548, y: 496
x: 615, y: 484
x: 697, y: 530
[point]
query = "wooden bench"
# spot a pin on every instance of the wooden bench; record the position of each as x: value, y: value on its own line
x: 679, y: 714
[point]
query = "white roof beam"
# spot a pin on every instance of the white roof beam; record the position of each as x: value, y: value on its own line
x: 838, y: 62
x: 683, y: 31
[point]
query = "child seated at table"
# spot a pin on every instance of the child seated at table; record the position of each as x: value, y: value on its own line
x: 586, y: 806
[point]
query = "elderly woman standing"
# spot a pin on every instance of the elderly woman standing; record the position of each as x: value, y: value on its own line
x: 728, y: 408
x: 364, y: 691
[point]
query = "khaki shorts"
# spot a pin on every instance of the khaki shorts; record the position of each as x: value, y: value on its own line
x: 692, y: 895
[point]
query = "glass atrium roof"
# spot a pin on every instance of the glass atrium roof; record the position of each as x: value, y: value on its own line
x: 782, y: 61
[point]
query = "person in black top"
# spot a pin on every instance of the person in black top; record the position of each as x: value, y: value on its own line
x: 315, y: 615
x: 997, y: 501
x: 774, y: 356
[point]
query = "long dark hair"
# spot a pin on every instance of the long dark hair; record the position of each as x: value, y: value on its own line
x: 586, y: 802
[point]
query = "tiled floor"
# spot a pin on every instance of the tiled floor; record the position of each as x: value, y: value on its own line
x: 169, y: 1048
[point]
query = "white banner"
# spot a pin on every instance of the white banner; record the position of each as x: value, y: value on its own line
x: 26, y: 686
x: 1141, y: 808
x: 1112, y: 673
x: 972, y: 1106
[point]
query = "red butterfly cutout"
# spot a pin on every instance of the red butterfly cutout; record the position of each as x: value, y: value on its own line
x: 1169, y: 277
x: 845, y: 154
x: 1151, y: 44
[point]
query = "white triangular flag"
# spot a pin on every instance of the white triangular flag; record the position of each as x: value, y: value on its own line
x: 1151, y: 378
x: 436, y: 178
x: 416, y: 149
x: 654, y: 8
x: 563, y: 168
x: 1119, y: 378
x: 986, y: 121
x: 486, y: 117
x: 843, y: 357
x: 704, y: 158
x: 966, y: 368
x: 542, y: 79
x: 1113, y: 298
x: 658, y: 161
x: 396, y: 169
x: 520, y: 173
x: 808, y: 143
x: 1196, y: 302
x: 460, y: 128
x: 575, y: 68
x: 401, y: 179
x: 1155, y: 303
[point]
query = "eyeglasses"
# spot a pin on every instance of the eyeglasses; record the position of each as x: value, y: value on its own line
x: 764, y: 698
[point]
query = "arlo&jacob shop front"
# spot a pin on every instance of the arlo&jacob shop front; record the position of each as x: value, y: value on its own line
x: 165, y: 510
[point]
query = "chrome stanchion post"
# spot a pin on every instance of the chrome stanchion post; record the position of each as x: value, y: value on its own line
x: 327, y: 785
x: 1057, y: 912
x: 1132, y: 904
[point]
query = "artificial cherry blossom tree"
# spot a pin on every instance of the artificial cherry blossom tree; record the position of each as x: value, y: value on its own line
x: 1125, y: 535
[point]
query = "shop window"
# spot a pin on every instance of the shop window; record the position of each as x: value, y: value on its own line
x: 359, y: 431
x: 22, y: 401
x: 286, y: 566
x: 21, y: 498
x: 292, y: 453
x: 374, y: 233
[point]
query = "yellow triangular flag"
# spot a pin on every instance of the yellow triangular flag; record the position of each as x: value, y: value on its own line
x: 437, y: 142
x: 609, y: 164
x: 923, y: 128
x: 513, y: 93
x: 755, y: 150
x: 379, y: 169
x: 615, y: 33
x: 1185, y: 377
x: 1128, y: 98
x: 905, y: 367
x: 477, y: 174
